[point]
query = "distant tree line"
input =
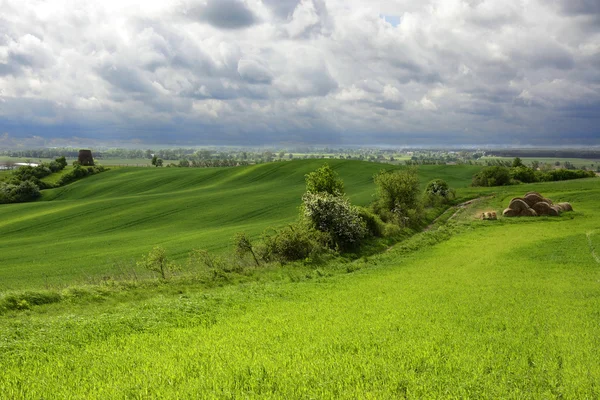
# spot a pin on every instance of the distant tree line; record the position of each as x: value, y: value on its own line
x: 24, y: 183
x: 517, y: 172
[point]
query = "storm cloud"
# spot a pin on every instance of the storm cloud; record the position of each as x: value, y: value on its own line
x: 399, y: 72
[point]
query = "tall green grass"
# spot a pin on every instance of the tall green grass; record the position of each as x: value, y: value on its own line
x: 476, y: 309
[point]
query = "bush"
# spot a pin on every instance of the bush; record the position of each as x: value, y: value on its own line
x: 79, y: 172
x: 157, y: 261
x: 438, y: 192
x: 375, y: 226
x: 335, y: 216
x: 492, y: 176
x: 292, y: 243
x: 523, y: 174
x: 398, y: 196
x: 24, y: 300
x: 19, y: 193
x: 564, y: 175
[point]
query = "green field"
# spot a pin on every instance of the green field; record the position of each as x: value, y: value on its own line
x: 472, y: 309
x: 91, y: 227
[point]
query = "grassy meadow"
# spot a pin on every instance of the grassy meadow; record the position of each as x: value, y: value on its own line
x: 101, y: 224
x: 468, y: 309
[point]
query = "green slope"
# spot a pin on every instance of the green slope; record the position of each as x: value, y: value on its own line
x: 83, y: 230
x: 503, y: 309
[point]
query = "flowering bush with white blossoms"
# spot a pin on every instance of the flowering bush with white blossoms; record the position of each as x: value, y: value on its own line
x: 336, y: 216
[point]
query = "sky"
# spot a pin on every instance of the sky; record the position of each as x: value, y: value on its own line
x: 320, y: 72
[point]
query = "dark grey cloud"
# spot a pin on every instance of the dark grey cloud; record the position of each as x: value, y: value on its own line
x: 581, y: 7
x: 126, y: 79
x: 223, y: 14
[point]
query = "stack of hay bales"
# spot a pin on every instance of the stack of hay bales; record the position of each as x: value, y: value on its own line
x: 534, y: 204
x: 489, y: 216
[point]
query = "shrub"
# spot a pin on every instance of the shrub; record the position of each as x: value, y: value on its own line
x: 79, y: 172
x: 157, y: 261
x: 24, y: 300
x: 492, y: 176
x: 375, y: 226
x: 438, y: 192
x: 292, y: 243
x: 523, y: 174
x: 19, y: 193
x: 335, y: 216
x: 564, y: 174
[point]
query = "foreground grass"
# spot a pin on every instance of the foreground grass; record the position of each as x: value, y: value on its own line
x: 494, y: 309
x: 99, y: 226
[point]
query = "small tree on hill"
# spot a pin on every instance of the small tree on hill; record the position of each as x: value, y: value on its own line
x: 157, y: 261
x: 243, y: 246
x: 398, y: 195
x: 324, y: 180
x: 517, y: 163
x: 438, y: 191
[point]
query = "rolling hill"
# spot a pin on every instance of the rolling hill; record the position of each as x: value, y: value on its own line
x: 95, y: 226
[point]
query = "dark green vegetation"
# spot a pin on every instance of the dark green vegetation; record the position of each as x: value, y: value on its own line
x: 468, y: 309
x: 23, y: 184
x: 519, y: 173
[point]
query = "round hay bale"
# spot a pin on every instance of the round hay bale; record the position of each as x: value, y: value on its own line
x: 565, y: 206
x: 529, y: 212
x: 532, y: 198
x: 518, y: 204
x: 536, y: 193
x: 547, y: 200
x: 555, y: 211
x: 542, y: 208
x: 509, y: 212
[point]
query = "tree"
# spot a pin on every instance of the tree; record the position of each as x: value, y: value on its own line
x: 159, y: 162
x: 438, y: 191
x: 324, y: 180
x: 157, y: 261
x: 523, y: 174
x: 243, y: 246
x: 154, y: 160
x: 398, y: 195
x: 62, y: 161
x: 517, y: 163
x: 492, y: 176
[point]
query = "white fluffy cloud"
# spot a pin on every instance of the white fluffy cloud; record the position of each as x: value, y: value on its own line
x: 305, y: 71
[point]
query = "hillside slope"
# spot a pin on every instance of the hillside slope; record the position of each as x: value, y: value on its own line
x: 501, y: 309
x: 86, y: 228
